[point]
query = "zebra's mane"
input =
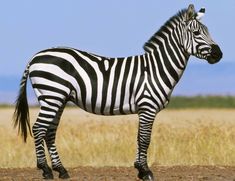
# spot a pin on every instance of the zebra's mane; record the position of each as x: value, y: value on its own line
x: 149, y: 45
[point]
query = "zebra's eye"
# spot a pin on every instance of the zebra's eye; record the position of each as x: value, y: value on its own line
x: 196, y: 33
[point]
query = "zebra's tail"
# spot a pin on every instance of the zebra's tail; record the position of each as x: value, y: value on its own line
x: 21, y: 114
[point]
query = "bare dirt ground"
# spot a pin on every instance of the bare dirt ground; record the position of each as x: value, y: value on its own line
x: 162, y: 173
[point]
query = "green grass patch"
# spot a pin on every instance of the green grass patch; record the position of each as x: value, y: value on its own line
x: 181, y: 102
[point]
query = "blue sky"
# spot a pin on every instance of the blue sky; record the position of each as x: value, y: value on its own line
x: 110, y: 28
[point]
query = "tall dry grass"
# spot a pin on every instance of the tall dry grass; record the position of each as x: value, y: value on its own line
x: 180, y: 137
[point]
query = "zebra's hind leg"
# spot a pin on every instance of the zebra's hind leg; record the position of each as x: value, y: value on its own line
x: 39, y: 132
x: 44, y: 130
x: 146, y: 119
x: 50, y: 142
x: 55, y: 160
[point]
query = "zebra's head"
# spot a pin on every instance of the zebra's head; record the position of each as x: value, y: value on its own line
x: 196, y: 38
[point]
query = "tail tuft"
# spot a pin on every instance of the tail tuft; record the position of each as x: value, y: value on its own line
x: 21, y: 114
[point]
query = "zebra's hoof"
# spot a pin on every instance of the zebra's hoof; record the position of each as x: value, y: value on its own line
x: 47, y: 175
x: 145, y: 173
x: 47, y: 172
x: 63, y: 173
x: 148, y: 177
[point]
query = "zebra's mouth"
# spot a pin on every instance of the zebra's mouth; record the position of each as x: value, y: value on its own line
x: 212, y: 60
x: 213, y: 55
x: 202, y: 56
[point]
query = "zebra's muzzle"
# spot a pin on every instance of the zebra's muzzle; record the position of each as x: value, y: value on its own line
x: 216, y: 54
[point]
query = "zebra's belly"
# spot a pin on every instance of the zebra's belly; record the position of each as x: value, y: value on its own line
x: 109, y: 109
x: 124, y: 109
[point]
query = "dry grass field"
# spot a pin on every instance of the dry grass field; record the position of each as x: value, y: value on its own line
x: 180, y: 137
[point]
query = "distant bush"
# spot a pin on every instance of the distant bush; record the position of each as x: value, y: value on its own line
x: 202, y: 102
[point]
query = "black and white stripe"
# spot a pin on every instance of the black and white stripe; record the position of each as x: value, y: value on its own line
x: 139, y: 84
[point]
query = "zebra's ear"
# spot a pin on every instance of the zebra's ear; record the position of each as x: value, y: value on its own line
x: 200, y: 13
x: 190, y: 12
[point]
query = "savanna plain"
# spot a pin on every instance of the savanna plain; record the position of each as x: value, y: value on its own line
x: 186, y: 144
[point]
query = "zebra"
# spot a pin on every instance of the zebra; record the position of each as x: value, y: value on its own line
x: 140, y: 84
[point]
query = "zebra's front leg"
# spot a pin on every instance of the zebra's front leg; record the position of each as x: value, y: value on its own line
x: 146, y: 119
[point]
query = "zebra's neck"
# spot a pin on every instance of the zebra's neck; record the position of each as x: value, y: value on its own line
x: 168, y: 58
x: 165, y: 55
